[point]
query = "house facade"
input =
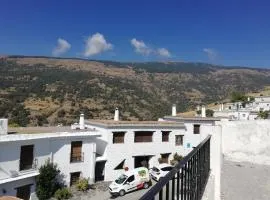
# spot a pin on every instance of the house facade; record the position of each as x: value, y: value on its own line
x: 126, y: 144
x: 21, y: 155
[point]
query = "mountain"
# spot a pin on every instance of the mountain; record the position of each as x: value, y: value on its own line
x: 41, y: 90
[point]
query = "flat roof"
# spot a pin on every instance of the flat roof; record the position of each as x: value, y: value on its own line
x: 180, y: 118
x: 134, y: 124
x: 43, y: 129
x: 48, y: 135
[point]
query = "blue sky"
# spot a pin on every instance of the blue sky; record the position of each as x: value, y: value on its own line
x: 228, y: 32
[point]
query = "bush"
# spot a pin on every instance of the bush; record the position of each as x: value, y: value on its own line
x: 176, y: 159
x: 63, y: 193
x: 48, y: 181
x: 82, y: 184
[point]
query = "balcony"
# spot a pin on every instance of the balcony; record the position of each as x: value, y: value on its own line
x: 26, y: 164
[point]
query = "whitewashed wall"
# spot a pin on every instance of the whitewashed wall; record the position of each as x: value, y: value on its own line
x: 115, y: 153
x: 57, y: 149
x: 247, y: 140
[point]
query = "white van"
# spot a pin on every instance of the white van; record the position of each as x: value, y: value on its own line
x: 130, y: 181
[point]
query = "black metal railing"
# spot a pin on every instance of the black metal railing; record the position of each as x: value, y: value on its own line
x: 187, y: 180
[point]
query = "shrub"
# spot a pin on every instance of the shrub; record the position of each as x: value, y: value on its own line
x: 82, y: 184
x: 63, y: 193
x: 176, y: 159
x: 48, y: 181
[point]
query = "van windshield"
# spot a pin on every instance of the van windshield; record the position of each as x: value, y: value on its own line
x: 121, y: 179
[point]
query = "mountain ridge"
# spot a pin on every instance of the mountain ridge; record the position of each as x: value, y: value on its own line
x: 52, y: 91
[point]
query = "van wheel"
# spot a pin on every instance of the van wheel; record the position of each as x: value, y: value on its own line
x: 146, y: 185
x: 122, y: 192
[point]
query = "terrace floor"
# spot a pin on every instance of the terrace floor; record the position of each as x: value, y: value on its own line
x: 245, y: 181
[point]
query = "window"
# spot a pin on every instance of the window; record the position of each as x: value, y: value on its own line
x: 143, y: 136
x: 130, y: 179
x: 26, y: 157
x: 118, y: 137
x: 244, y: 115
x: 178, y: 140
x: 165, y: 136
x: 76, y: 151
x: 120, y: 165
x: 74, y: 177
x: 196, y: 129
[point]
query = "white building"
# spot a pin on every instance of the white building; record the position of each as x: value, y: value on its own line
x: 135, y: 143
x: 22, y: 154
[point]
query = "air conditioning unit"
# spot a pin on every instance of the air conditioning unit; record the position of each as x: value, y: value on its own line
x: 13, y: 173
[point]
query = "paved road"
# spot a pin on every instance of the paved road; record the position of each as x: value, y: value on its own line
x: 245, y: 181
x: 135, y: 195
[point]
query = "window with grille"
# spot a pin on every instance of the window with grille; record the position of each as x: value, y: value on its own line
x: 165, y: 136
x: 118, y: 137
x: 74, y: 178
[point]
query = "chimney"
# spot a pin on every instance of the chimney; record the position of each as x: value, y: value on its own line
x: 198, y: 108
x: 81, y: 123
x: 174, y: 110
x: 222, y: 106
x: 203, y: 111
x: 116, y: 114
x: 3, y: 126
x: 248, y: 99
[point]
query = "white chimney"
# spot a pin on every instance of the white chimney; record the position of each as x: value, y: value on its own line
x: 3, y: 126
x: 203, y: 111
x: 198, y: 108
x: 174, y: 110
x: 81, y: 123
x: 222, y: 106
x: 248, y: 99
x: 116, y: 114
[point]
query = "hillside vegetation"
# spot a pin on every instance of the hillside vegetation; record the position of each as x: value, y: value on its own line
x: 41, y: 90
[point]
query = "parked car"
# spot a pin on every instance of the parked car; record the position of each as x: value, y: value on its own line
x: 160, y: 171
x: 129, y: 181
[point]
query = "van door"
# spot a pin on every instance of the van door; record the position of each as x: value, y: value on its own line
x: 130, y: 184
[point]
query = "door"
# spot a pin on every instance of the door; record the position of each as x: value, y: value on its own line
x: 99, y: 171
x: 141, y: 161
x: 130, y: 184
x: 26, y: 157
x: 24, y: 192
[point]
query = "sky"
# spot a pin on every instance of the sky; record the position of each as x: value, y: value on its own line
x: 225, y: 32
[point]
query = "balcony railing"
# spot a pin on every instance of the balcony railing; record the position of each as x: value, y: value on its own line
x: 187, y: 180
x: 77, y: 157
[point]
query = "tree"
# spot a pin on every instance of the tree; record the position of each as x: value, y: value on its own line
x: 238, y: 96
x: 209, y: 113
x: 263, y: 114
x: 48, y: 181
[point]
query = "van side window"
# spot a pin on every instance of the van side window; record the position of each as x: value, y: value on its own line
x: 131, y: 179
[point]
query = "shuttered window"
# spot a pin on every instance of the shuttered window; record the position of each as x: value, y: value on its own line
x: 76, y: 151
x: 143, y: 136
x: 118, y: 137
x: 196, y: 129
x: 26, y: 157
x: 165, y: 136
